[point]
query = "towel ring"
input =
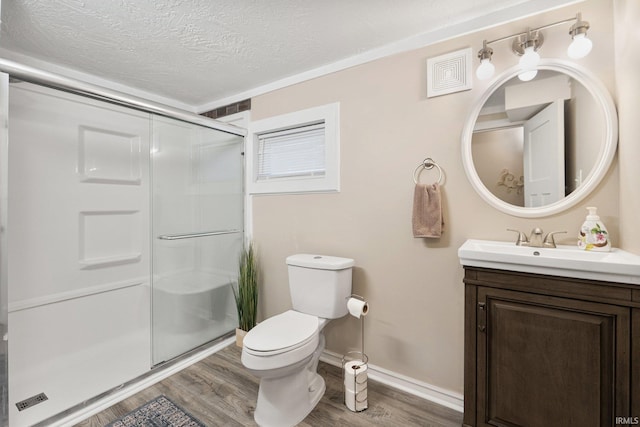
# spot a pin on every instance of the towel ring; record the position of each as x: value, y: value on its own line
x: 427, y: 163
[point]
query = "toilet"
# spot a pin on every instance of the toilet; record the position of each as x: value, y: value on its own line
x: 283, y: 351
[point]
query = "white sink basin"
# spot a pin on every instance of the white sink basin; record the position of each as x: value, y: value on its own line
x: 567, y: 261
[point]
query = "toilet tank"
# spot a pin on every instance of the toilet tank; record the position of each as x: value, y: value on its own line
x: 319, y: 284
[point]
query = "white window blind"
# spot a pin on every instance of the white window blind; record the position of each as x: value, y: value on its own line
x: 296, y: 152
x: 293, y: 152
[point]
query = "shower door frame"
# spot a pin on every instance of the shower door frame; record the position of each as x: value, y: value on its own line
x: 56, y: 81
x: 4, y: 277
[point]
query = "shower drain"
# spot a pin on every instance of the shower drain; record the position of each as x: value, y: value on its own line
x: 32, y: 401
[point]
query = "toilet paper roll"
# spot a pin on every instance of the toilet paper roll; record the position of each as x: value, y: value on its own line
x: 357, y: 307
x: 356, y: 402
x: 355, y: 375
x: 356, y: 383
x: 355, y: 367
x: 360, y: 387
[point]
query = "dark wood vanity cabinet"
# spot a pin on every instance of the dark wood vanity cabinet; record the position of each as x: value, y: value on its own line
x: 544, y: 351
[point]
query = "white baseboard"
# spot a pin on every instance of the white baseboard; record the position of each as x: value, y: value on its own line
x: 129, y: 390
x: 407, y: 384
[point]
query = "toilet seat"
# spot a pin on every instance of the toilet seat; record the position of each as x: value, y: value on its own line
x: 281, y: 333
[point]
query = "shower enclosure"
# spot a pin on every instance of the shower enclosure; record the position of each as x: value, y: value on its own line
x: 121, y: 231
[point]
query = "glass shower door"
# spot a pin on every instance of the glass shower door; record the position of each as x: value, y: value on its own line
x: 197, y: 228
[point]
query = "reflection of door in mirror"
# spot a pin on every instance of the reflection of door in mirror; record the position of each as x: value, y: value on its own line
x: 523, y: 165
x: 543, y: 156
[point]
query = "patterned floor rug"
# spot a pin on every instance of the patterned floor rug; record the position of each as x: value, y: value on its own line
x: 160, y: 412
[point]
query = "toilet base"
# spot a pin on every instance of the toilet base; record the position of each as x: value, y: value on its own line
x: 287, y: 400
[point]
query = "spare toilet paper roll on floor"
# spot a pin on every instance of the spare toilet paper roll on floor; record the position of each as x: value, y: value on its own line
x: 359, y: 388
x: 355, y: 385
x: 355, y: 376
x: 357, y: 307
x: 356, y: 401
x: 361, y: 396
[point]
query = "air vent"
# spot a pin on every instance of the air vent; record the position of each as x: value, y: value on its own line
x: 449, y: 73
x: 32, y: 401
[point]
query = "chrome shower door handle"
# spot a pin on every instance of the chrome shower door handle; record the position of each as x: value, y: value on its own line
x: 193, y: 235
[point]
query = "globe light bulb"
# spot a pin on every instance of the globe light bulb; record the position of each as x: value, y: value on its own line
x: 525, y: 76
x: 530, y: 59
x: 485, y: 69
x: 579, y: 47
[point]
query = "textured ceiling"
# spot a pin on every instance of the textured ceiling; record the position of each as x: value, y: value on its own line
x: 199, y: 51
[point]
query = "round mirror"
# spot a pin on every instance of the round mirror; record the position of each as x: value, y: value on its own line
x: 535, y: 148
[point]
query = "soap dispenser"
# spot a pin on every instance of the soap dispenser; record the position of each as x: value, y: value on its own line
x: 593, y: 233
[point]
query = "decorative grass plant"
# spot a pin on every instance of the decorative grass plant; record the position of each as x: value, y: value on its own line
x: 246, y: 295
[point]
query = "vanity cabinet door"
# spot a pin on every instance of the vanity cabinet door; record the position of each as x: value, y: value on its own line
x: 546, y: 361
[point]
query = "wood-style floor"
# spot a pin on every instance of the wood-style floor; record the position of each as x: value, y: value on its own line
x: 220, y: 392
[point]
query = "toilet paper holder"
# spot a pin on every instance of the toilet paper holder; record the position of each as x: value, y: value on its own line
x: 356, y: 388
x: 361, y: 318
x: 355, y: 384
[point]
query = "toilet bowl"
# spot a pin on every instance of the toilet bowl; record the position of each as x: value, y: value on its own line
x: 283, y: 351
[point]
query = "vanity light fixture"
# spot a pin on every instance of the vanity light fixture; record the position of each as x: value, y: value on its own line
x: 486, y: 68
x: 581, y: 45
x: 527, y: 43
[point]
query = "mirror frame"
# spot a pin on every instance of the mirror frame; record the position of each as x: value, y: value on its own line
x: 603, y: 99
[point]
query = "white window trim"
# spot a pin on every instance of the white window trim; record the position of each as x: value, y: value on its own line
x: 240, y: 119
x: 330, y: 182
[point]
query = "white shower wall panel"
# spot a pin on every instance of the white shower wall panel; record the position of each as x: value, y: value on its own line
x: 76, y: 349
x: 78, y: 218
x: 79, y: 251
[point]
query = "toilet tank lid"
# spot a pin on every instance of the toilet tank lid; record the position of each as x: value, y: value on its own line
x: 322, y: 262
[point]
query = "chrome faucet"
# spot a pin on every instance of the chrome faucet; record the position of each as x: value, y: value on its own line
x: 522, y: 238
x: 535, y: 239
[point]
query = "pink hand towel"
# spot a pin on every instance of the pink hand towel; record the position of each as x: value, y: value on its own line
x: 427, y: 211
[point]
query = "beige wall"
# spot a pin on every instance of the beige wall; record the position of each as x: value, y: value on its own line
x: 627, y: 17
x: 388, y: 126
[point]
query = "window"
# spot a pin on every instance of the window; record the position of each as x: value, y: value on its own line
x: 296, y: 152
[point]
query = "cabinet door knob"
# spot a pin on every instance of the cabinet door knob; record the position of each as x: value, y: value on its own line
x: 482, y: 328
